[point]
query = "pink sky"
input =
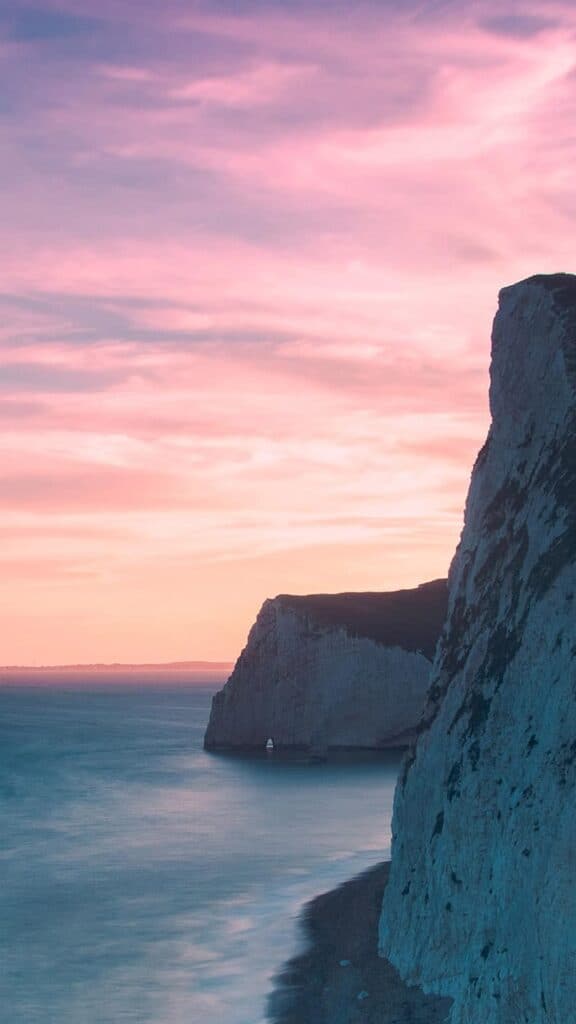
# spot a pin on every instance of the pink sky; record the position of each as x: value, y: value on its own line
x: 251, y: 258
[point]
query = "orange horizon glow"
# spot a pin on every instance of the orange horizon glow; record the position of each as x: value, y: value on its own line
x: 252, y: 261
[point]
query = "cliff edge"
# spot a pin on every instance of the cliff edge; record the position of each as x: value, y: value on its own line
x: 332, y: 670
x: 481, y: 902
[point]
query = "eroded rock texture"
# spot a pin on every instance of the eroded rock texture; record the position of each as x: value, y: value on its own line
x: 481, y: 903
x: 336, y: 670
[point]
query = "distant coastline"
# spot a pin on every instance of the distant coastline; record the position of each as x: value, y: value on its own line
x: 117, y: 666
x: 181, y: 671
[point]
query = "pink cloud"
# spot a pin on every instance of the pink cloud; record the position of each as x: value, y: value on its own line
x: 253, y: 262
x: 262, y: 84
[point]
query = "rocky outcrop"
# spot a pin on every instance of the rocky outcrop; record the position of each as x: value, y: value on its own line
x: 481, y: 903
x: 332, y: 670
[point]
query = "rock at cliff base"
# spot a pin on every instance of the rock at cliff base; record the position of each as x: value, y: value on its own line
x: 341, y: 929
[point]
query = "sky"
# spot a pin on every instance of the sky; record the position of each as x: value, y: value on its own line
x: 251, y: 257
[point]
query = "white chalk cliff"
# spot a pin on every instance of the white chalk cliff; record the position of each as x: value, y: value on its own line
x: 481, y: 902
x: 336, y: 670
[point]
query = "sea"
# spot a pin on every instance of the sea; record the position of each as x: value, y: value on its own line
x: 145, y: 880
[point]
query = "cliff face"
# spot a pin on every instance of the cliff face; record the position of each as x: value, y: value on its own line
x: 481, y: 903
x: 341, y: 670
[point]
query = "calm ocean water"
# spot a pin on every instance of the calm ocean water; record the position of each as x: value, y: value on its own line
x: 146, y: 881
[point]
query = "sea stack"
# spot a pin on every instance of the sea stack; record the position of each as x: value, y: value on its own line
x: 332, y: 671
x: 481, y: 902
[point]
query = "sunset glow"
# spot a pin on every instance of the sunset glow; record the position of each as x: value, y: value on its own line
x: 252, y: 254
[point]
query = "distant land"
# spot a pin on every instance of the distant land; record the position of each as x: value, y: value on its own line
x: 168, y: 666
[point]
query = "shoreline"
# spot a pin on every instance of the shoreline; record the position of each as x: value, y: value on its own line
x: 339, y: 978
